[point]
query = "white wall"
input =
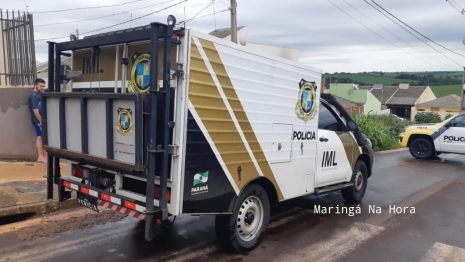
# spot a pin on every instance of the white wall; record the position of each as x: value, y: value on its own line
x: 287, y: 53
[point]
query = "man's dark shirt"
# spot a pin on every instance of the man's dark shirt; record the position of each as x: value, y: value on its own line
x: 33, y: 102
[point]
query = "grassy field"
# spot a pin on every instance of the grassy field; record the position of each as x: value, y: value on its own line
x: 371, y: 79
x: 441, y: 91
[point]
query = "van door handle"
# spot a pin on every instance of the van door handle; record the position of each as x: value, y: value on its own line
x: 323, y: 139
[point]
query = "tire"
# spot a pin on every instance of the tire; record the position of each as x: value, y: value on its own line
x: 422, y: 148
x: 359, y: 179
x: 233, y: 231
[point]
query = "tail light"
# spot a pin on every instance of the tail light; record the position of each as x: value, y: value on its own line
x: 157, y: 194
x: 80, y: 172
x: 179, y: 33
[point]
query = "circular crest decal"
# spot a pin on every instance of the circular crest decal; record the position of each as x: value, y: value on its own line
x: 306, y: 106
x: 140, y: 74
x: 124, y: 123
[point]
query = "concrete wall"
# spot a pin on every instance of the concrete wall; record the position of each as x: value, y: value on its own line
x: 356, y: 110
x: 17, y: 134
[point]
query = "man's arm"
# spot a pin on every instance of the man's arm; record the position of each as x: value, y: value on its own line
x: 35, y: 108
x: 36, y: 113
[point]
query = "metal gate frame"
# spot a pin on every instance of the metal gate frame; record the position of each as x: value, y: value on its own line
x: 157, y: 99
x: 18, y: 49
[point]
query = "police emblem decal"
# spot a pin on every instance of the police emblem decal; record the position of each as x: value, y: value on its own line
x: 124, y: 123
x: 306, y: 107
x: 140, y: 74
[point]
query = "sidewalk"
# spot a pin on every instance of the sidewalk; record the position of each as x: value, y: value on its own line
x: 23, y: 189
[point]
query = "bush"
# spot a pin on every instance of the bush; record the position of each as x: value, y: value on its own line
x: 447, y: 116
x: 427, y: 117
x: 382, y: 130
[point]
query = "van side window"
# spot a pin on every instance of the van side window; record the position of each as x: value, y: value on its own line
x: 327, y: 120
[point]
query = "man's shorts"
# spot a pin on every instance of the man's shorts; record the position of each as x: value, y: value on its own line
x: 38, y: 129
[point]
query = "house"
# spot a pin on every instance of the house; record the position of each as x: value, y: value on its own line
x: 383, y: 94
x: 360, y: 96
x: 443, y: 106
x: 406, y: 97
x: 350, y: 106
x: 401, y: 99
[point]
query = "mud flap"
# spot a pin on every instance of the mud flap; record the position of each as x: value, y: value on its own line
x: 62, y: 193
x: 153, y: 225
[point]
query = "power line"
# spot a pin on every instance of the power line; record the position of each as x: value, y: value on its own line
x: 224, y: 10
x: 95, y: 18
x: 214, y: 14
x: 198, y: 17
x: 416, y: 30
x: 394, y: 35
x: 199, y: 12
x: 224, y: 4
x: 374, y: 31
x: 211, y: 22
x: 455, y: 5
x: 76, y: 21
x: 90, y: 7
x: 421, y: 40
x: 137, y: 18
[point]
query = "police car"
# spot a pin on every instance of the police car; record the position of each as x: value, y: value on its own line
x: 429, y: 140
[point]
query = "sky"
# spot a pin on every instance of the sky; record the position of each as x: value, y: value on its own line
x: 331, y: 35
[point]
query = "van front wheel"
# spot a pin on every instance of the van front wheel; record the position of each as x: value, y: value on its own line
x: 245, y: 228
x: 359, y: 180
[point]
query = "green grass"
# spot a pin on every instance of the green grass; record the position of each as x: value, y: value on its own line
x: 382, y: 130
x: 441, y: 91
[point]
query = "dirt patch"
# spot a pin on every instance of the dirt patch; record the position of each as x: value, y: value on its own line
x: 7, y: 196
x: 50, y: 228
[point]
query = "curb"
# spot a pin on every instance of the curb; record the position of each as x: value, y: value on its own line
x: 391, y: 151
x: 39, y: 208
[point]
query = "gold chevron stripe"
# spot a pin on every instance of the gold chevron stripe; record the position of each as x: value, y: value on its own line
x: 350, y: 147
x: 215, y: 116
x: 239, y: 112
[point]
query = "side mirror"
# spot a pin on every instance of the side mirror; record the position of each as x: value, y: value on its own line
x: 351, y: 125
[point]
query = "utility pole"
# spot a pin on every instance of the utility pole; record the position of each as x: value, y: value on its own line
x: 77, y: 33
x: 233, y: 21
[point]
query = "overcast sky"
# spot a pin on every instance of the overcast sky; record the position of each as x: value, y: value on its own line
x: 326, y: 37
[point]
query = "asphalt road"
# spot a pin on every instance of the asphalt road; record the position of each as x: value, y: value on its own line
x: 427, y: 224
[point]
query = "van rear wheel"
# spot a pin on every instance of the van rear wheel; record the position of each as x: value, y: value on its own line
x: 359, y: 180
x: 245, y: 228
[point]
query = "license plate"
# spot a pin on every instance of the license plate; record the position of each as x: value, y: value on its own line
x: 87, y: 201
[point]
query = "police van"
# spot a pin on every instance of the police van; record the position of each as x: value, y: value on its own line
x: 166, y: 122
x: 426, y: 141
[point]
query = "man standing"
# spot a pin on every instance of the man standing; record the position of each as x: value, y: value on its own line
x: 33, y: 101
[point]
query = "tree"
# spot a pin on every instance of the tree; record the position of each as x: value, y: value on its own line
x: 427, y: 117
x: 447, y: 116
